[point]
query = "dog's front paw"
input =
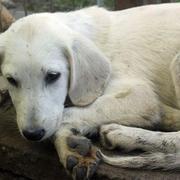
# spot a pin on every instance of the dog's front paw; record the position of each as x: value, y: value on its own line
x: 79, y: 157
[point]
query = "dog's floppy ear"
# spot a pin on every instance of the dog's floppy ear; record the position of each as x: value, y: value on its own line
x: 89, y: 71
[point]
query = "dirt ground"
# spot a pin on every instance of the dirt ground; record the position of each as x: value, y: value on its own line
x: 5, y: 175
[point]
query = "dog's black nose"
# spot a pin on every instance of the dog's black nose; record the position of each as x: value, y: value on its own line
x: 34, y: 135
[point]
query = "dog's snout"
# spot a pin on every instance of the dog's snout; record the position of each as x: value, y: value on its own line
x: 34, y: 135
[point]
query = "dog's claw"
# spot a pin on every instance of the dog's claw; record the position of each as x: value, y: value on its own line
x: 80, y: 173
x: 92, y: 169
x: 71, y: 162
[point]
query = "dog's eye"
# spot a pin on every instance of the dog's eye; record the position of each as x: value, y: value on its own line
x: 12, y: 81
x: 51, y: 77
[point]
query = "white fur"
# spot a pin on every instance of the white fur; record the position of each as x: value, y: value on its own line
x: 140, y: 89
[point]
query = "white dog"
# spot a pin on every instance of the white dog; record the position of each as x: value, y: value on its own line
x: 118, y: 68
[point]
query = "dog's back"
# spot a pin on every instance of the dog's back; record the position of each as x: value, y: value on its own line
x: 139, y: 42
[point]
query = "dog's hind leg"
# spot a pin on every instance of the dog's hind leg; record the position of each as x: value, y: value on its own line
x: 171, y: 116
x: 171, y: 119
x: 175, y: 74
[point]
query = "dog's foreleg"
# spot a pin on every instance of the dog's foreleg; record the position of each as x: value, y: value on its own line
x: 171, y: 116
x: 163, y: 149
x: 135, y: 106
x: 130, y: 138
x: 171, y: 119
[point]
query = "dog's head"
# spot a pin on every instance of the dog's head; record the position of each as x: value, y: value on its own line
x: 43, y: 61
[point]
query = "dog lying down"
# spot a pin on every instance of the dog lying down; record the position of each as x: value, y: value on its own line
x: 119, y: 69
